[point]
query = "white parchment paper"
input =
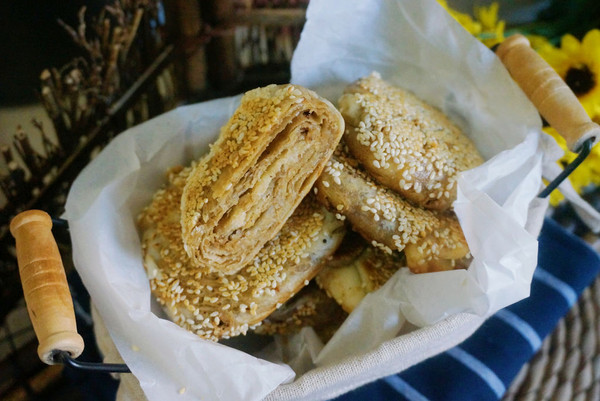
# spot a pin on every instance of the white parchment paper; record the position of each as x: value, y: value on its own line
x: 412, y: 43
x: 417, y: 46
x: 101, y: 208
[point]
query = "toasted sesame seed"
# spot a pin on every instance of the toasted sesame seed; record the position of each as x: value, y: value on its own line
x: 398, y: 133
x: 214, y: 294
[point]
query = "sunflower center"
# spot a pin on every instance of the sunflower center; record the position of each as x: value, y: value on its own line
x: 580, y: 79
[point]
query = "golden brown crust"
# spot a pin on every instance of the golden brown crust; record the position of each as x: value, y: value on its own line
x: 388, y: 221
x: 348, y: 281
x: 441, y: 250
x: 263, y: 164
x: 404, y: 143
x: 215, y: 305
x: 311, y: 307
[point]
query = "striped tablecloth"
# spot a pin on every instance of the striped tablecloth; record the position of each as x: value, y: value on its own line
x: 484, y: 366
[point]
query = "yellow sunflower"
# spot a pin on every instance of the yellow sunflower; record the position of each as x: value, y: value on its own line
x: 578, y: 64
x: 539, y: 43
x: 485, y: 26
x: 585, y: 175
x: 467, y: 22
x: 492, y: 29
x: 556, y: 197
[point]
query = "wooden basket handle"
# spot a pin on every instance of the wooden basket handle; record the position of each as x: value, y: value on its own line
x: 555, y: 101
x: 45, y: 287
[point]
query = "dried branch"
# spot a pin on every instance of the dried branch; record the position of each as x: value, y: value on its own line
x: 139, y: 13
x: 78, y: 94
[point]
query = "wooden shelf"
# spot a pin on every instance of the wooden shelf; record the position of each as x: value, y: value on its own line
x: 268, y: 16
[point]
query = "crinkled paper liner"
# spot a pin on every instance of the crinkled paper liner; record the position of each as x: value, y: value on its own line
x: 412, y: 43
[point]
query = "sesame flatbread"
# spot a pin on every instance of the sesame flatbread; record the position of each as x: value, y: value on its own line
x: 311, y: 307
x: 264, y: 163
x: 216, y: 305
x: 356, y: 270
x: 404, y: 143
x: 432, y: 240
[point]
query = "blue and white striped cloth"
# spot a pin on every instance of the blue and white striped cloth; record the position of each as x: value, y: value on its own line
x: 483, y: 367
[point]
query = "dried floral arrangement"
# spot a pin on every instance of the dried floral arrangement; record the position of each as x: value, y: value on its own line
x: 129, y: 70
x: 118, y: 46
x: 122, y: 77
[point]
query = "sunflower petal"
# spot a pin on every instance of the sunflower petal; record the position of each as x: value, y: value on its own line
x: 570, y: 45
x: 590, y: 48
x: 557, y: 58
x: 591, y: 40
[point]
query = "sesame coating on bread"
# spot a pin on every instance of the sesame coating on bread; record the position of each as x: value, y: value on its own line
x: 387, y: 220
x: 264, y: 163
x: 216, y: 305
x: 404, y: 143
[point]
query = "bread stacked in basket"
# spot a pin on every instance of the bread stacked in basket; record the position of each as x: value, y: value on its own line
x: 233, y: 237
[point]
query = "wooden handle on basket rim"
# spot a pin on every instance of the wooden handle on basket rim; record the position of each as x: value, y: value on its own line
x: 555, y: 101
x: 45, y: 287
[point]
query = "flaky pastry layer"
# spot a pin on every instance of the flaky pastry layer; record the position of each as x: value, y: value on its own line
x: 216, y: 305
x: 311, y: 307
x: 349, y: 276
x: 432, y: 240
x: 263, y: 164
